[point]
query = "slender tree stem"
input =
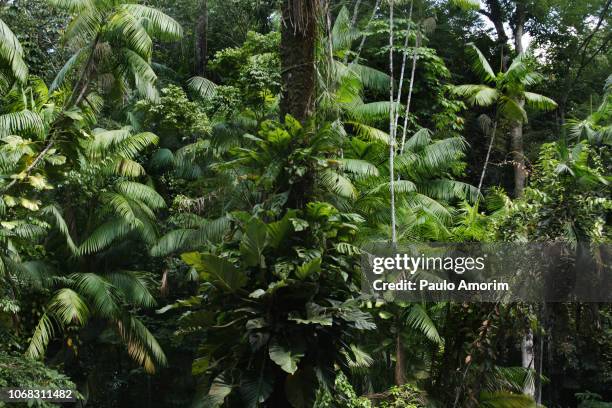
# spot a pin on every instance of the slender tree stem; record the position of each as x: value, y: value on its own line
x: 391, y: 125
x: 363, y: 37
x: 83, y: 81
x: 403, y: 69
x: 353, y: 23
x: 355, y: 13
x: 484, y: 168
x: 410, y: 89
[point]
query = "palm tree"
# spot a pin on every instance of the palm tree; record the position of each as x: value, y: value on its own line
x: 124, y: 213
x: 507, y: 92
x: 12, y: 66
x: 113, y: 45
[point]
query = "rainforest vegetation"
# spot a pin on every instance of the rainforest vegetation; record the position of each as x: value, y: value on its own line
x: 186, y: 187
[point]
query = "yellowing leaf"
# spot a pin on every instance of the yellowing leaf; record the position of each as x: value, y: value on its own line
x: 32, y: 205
x: 9, y: 200
x: 39, y: 182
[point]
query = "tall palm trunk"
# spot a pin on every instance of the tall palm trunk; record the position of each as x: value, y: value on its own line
x: 297, y: 52
x: 516, y: 132
x: 518, y: 157
x: 201, y: 40
x: 400, y: 358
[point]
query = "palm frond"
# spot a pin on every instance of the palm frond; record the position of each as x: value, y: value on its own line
x: 343, y: 33
x: 133, y: 286
x: 41, y: 336
x: 371, y: 78
x: 466, y: 4
x: 140, y: 67
x: 121, y: 206
x: 337, y: 184
x: 104, y: 235
x: 372, y: 111
x: 100, y: 293
x: 192, y: 236
x: 141, y: 192
x: 61, y: 225
x: 68, y: 307
x: 418, y: 140
x: 356, y: 166
x: 19, y: 122
x: 204, y: 87
x: 478, y: 95
x: 11, y: 53
x: 83, y: 29
x: 127, y: 27
x: 446, y: 190
x: 71, y: 64
x: 369, y: 132
x: 421, y: 202
x: 141, y: 344
x: 73, y: 6
x: 419, y: 319
x: 126, y: 168
x: 157, y: 23
x: 539, y: 102
x: 480, y: 64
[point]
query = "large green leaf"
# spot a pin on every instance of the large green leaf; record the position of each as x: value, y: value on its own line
x: 309, y: 268
x: 279, y: 231
x: 254, y: 242
x: 216, y: 270
x: 286, y: 359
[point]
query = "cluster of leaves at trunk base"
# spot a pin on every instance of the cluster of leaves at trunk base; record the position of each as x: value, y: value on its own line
x: 277, y: 307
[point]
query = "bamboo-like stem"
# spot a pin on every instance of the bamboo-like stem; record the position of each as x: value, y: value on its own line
x: 403, y: 68
x: 363, y: 37
x: 484, y: 168
x: 417, y: 44
x: 391, y: 125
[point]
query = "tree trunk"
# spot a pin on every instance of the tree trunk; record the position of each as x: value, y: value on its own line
x: 518, y: 158
x: 201, y: 40
x: 528, y: 359
x: 496, y: 15
x: 486, y: 163
x: 519, y: 26
x: 520, y: 172
x: 539, y: 366
x: 297, y: 52
x: 400, y: 368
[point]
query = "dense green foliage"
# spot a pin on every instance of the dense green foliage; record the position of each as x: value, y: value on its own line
x: 168, y: 238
